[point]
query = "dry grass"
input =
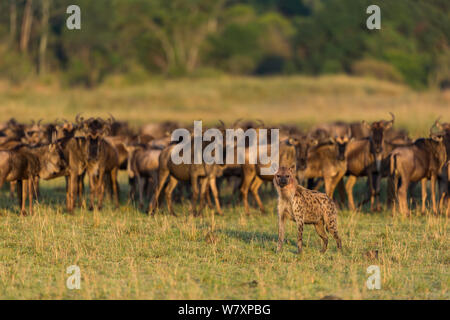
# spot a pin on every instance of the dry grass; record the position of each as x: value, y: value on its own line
x: 124, y: 254
x: 299, y: 100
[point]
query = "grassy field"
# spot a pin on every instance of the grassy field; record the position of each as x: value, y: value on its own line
x: 124, y: 254
x: 298, y: 100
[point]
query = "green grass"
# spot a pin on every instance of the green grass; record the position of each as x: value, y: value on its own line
x: 124, y: 254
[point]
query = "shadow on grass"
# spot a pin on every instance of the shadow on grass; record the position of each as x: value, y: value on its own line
x: 263, y: 239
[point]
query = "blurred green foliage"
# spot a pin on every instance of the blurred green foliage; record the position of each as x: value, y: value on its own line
x: 140, y: 38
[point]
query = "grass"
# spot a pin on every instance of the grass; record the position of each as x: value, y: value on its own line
x: 300, y: 100
x: 124, y: 254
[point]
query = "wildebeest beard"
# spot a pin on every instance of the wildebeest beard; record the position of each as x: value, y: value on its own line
x: 93, y: 148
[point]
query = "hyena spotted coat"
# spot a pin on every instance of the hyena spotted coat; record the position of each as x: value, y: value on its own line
x: 304, y: 206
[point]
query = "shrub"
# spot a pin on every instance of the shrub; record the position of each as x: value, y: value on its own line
x: 14, y: 67
x: 377, y: 69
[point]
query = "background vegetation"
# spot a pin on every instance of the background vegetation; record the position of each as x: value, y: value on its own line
x: 142, y: 38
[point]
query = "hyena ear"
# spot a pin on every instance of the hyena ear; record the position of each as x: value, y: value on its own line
x: 292, y: 168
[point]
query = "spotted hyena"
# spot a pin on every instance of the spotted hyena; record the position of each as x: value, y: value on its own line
x: 304, y: 206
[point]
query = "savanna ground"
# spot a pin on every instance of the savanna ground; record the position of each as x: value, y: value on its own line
x: 125, y: 254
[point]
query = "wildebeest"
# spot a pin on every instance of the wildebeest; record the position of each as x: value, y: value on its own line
x: 24, y: 163
x: 444, y: 177
x: 328, y: 161
x: 142, y: 168
x: 102, y: 160
x: 203, y: 174
x: 421, y: 161
x: 364, y: 158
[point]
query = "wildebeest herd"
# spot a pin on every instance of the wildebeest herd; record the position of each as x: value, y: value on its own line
x: 334, y: 155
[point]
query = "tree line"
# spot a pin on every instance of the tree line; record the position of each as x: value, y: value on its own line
x: 141, y: 38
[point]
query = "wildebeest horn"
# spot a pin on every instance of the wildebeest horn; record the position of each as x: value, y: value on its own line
x: 79, y: 119
x: 437, y: 124
x: 111, y: 118
x: 261, y: 122
x: 392, y: 116
x: 237, y: 122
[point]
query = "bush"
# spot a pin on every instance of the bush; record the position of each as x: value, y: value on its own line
x: 14, y: 67
x: 377, y: 69
x: 413, y: 66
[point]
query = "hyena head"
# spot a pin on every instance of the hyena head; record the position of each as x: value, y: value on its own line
x: 285, y: 177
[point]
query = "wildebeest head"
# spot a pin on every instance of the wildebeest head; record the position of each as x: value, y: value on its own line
x: 53, y: 161
x: 341, y: 141
x: 94, y: 130
x: 34, y: 134
x: 66, y: 129
x: 377, y: 130
x: 302, y: 145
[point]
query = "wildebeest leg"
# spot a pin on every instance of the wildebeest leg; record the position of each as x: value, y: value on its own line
x: 249, y: 174
x: 349, y: 189
x: 141, y: 185
x: 80, y: 190
x: 114, y: 183
x: 168, y: 193
x: 447, y: 213
x: 443, y: 186
x: 195, y: 193
x: 132, y: 193
x: 12, y: 187
x: 36, y: 188
x: 424, y: 194
x: 390, y: 193
x: 370, y: 182
x: 30, y: 194
x: 73, y: 190
x: 341, y: 191
x: 204, y: 183
x: 108, y: 185
x: 254, y: 188
x: 100, y: 189
x: 67, y: 189
x: 433, y: 192
x: 402, y: 196
x: 320, y: 229
x: 329, y: 186
x: 92, y: 190
x: 19, y: 192
x: 377, y: 188
x: 213, y: 187
x: 208, y: 196
x: 23, y: 210
x: 162, y: 177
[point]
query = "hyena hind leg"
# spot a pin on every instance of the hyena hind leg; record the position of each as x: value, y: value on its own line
x: 320, y: 229
x: 332, y: 228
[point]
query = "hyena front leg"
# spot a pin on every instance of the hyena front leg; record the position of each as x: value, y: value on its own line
x: 281, y: 227
x: 299, y: 222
